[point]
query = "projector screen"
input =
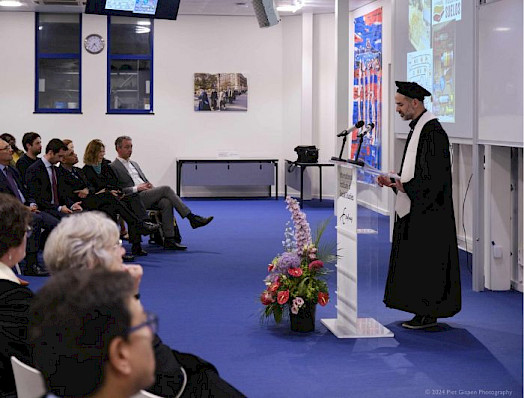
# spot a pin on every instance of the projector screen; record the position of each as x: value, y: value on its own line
x: 434, y: 47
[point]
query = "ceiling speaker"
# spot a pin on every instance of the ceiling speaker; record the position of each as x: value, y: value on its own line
x: 266, y: 13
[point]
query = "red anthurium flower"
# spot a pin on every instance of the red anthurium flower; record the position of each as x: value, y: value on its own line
x: 267, y: 298
x: 296, y: 272
x: 270, y: 267
x: 323, y: 298
x: 315, y: 265
x: 274, y: 287
x: 283, y: 297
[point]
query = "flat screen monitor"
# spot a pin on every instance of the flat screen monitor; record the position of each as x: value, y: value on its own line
x: 159, y: 9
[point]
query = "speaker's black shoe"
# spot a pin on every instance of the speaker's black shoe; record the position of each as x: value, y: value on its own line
x: 127, y: 258
x: 136, y: 250
x: 197, y: 221
x: 35, y: 269
x: 172, y: 244
x: 147, y: 228
x: 420, y: 322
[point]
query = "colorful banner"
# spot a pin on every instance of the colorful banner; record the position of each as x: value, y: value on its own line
x: 367, y: 87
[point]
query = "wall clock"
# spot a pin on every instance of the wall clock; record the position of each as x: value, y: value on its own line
x: 94, y: 43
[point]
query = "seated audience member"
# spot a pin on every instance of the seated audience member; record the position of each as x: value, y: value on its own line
x: 76, y: 244
x: 131, y: 179
x: 11, y: 184
x: 42, y: 182
x: 76, y: 187
x: 16, y: 151
x: 91, y: 336
x: 100, y: 175
x: 14, y: 298
x: 32, y: 144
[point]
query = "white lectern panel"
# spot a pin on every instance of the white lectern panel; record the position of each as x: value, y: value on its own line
x: 347, y: 324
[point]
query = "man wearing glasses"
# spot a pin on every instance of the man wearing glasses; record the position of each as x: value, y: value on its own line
x: 11, y: 184
x: 91, y: 335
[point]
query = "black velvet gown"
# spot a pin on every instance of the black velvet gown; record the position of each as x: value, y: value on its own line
x: 424, y: 275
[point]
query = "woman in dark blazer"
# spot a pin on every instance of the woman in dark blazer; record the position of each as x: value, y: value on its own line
x: 14, y: 298
x: 101, y: 176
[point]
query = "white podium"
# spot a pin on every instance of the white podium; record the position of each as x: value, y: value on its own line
x: 347, y: 324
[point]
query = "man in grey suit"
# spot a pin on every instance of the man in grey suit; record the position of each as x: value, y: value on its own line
x: 132, y: 180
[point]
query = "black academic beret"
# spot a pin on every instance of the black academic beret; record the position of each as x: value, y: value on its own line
x: 412, y: 90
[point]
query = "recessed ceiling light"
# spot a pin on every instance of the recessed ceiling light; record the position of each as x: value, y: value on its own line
x: 10, y: 3
x: 297, y: 5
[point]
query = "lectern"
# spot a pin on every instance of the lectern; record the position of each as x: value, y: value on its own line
x: 347, y: 324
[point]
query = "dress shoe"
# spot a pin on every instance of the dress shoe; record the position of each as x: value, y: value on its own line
x: 127, y: 258
x: 137, y: 251
x: 197, y: 221
x: 420, y: 322
x: 147, y: 228
x: 35, y: 269
x: 171, y: 244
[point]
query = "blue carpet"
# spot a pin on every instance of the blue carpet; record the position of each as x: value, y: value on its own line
x: 208, y: 302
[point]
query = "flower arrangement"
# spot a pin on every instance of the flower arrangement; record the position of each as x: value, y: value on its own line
x: 297, y: 276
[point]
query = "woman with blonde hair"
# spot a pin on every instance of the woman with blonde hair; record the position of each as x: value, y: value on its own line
x: 91, y: 241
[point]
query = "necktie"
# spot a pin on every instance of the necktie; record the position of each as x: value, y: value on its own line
x: 12, y: 183
x: 55, y: 185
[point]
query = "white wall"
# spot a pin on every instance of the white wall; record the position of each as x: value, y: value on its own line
x: 191, y: 44
x: 271, y: 59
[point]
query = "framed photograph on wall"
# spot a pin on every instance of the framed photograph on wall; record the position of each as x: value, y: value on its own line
x: 220, y: 92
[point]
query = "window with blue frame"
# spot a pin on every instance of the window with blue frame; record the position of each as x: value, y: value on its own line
x: 58, y: 63
x: 130, y: 65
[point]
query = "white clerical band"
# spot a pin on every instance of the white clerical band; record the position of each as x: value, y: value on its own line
x: 403, y: 203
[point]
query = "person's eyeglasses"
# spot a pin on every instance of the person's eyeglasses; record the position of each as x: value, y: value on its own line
x: 119, y: 243
x: 6, y: 148
x: 28, y: 231
x: 151, y: 322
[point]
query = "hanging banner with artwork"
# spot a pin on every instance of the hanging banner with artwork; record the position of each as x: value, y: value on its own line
x: 367, y: 87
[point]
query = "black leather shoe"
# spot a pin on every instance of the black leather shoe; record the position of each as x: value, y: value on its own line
x: 137, y: 251
x: 420, y: 322
x: 127, y: 258
x: 197, y: 221
x: 171, y: 244
x: 147, y: 228
x: 35, y: 270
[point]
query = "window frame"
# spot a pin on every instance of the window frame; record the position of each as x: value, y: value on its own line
x: 131, y: 57
x: 39, y: 56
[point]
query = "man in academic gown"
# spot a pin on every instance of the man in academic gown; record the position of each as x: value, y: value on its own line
x: 424, y: 275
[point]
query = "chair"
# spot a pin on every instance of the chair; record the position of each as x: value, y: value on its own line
x: 29, y: 382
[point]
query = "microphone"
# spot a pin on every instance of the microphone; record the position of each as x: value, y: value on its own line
x: 368, y: 128
x: 357, y: 125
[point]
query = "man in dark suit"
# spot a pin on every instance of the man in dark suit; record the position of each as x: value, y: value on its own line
x: 132, y: 180
x: 33, y: 147
x: 74, y: 186
x: 42, y: 182
x: 11, y: 184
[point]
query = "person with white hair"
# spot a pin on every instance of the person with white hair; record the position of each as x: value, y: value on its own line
x: 77, y: 243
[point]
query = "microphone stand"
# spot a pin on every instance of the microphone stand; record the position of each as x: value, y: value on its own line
x: 341, y: 149
x: 357, y: 154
